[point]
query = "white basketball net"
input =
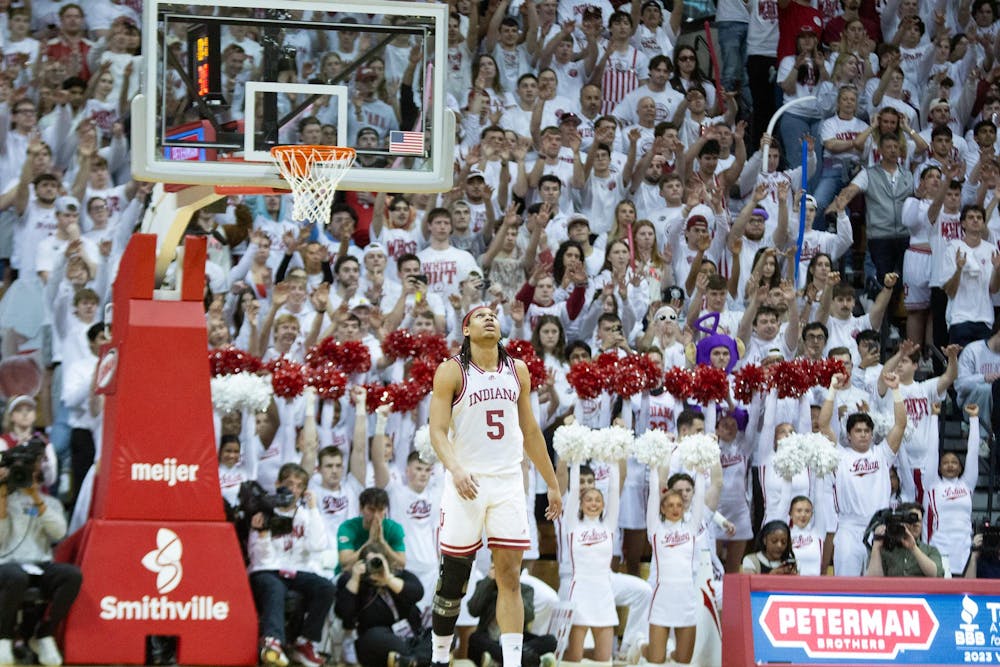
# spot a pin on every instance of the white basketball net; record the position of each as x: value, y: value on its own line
x: 312, y: 172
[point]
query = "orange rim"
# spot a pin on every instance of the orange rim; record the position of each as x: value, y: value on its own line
x: 298, y: 159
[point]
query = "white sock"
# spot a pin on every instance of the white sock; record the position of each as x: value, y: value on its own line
x: 441, y: 648
x: 510, y: 644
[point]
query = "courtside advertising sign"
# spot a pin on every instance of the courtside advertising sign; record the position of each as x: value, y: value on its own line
x: 929, y: 629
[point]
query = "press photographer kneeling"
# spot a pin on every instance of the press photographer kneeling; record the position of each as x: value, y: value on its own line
x: 896, y: 547
x: 382, y: 605
x: 984, y: 560
x: 30, y: 522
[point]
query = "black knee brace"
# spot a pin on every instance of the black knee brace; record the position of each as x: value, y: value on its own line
x: 453, y: 579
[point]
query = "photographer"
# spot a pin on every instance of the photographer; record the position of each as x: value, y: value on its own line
x: 381, y: 603
x: 283, y: 548
x: 19, y: 427
x: 896, y: 547
x: 30, y: 522
x: 984, y: 560
x: 484, y: 642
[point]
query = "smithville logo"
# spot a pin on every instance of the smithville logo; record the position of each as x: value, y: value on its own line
x: 165, y: 561
x: 830, y: 626
x: 169, y: 471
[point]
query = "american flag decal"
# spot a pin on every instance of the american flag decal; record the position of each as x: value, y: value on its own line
x: 408, y: 143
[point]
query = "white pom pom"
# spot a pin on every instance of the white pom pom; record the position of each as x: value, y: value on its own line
x: 699, y: 451
x: 883, y: 424
x: 241, y: 391
x: 653, y: 448
x: 611, y: 444
x: 790, y: 459
x: 884, y: 421
x: 422, y: 444
x: 256, y: 391
x: 573, y: 442
x: 822, y: 456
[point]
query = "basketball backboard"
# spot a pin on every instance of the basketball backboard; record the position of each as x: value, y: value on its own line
x: 233, y: 78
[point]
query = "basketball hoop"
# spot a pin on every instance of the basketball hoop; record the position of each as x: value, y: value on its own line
x: 312, y: 173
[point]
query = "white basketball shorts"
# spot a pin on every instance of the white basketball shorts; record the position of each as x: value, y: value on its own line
x: 498, y: 511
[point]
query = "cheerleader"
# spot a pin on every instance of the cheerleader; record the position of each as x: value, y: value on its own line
x: 591, y: 522
x: 770, y: 436
x: 948, y: 503
x: 656, y: 409
x: 232, y: 473
x: 807, y: 537
x: 676, y: 596
x: 735, y: 448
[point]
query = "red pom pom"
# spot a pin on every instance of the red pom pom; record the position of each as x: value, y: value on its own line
x: 422, y: 374
x: 351, y: 356
x: 709, y: 385
x: 328, y: 381
x: 586, y: 379
x: 522, y: 349
x: 433, y: 347
x: 678, y: 382
x: 539, y: 374
x: 406, y: 396
x: 232, y: 360
x: 287, y: 378
x: 826, y: 369
x: 354, y: 357
x: 635, y: 373
x: 323, y: 351
x: 748, y: 380
x: 791, y: 379
x: 399, y: 344
x: 376, y: 392
x: 608, y: 362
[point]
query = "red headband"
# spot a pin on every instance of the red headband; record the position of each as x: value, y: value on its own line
x: 468, y: 315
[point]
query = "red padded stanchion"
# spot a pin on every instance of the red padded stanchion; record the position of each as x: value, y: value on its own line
x: 157, y: 556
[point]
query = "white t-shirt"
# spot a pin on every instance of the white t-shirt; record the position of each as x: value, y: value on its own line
x: 418, y: 514
x: 762, y: 31
x: 444, y: 268
x: 971, y: 302
x: 861, y: 486
x: 667, y: 101
x: 37, y: 224
x: 836, y: 127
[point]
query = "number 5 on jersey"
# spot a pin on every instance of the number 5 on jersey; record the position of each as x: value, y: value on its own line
x: 494, y: 419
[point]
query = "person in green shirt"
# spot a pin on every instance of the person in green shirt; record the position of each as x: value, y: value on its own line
x: 910, y: 558
x: 370, y: 528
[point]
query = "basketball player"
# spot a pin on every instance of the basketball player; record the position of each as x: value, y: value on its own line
x: 481, y: 424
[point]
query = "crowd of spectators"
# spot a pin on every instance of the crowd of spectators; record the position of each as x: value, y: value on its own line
x: 610, y: 196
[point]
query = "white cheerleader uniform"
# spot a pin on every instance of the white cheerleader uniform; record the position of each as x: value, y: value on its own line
x: 771, y: 482
x: 675, y: 595
x: 807, y: 545
x: 657, y: 409
x: 591, y: 546
x: 733, y: 505
x: 948, y: 503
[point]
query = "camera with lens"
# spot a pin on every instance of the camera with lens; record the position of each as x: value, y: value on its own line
x: 376, y: 565
x: 990, y: 548
x: 254, y: 499
x: 20, y: 463
x: 895, y: 527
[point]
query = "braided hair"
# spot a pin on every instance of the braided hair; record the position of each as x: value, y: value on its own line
x: 465, y: 354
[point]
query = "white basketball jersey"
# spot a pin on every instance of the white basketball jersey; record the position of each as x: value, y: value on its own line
x: 484, y: 421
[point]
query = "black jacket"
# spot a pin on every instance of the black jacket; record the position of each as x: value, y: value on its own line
x: 483, y: 604
x: 367, y: 609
